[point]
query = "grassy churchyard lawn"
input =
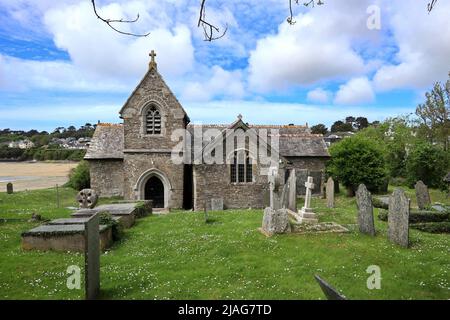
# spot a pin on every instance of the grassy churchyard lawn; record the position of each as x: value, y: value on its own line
x: 179, y: 256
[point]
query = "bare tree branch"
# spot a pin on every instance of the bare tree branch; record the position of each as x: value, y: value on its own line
x: 208, y: 28
x: 431, y: 5
x: 211, y: 31
x: 109, y: 21
x: 311, y: 3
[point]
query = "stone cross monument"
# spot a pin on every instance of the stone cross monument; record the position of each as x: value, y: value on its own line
x: 306, y: 214
x: 309, y: 184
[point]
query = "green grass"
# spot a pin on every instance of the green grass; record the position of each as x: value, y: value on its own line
x: 179, y: 256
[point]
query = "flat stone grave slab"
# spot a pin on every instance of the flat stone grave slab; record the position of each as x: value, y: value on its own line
x: 66, y: 221
x: 62, y: 237
x: 127, y: 212
x: 323, y: 227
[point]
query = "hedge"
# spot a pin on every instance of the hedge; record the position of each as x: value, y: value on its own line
x: 420, y: 216
x: 433, y: 227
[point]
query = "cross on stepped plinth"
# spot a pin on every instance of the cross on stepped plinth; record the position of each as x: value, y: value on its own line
x: 306, y: 214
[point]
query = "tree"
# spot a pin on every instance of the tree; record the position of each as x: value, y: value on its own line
x: 428, y: 163
x: 434, y: 114
x: 357, y: 160
x: 210, y: 30
x: 340, y: 126
x: 394, y: 137
x: 361, y: 123
x: 319, y: 129
x: 79, y: 177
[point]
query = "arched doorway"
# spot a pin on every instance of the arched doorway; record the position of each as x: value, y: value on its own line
x: 154, y: 190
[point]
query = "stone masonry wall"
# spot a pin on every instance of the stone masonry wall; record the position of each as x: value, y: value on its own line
x: 138, y: 163
x: 213, y: 181
x: 152, y: 91
x: 305, y: 167
x: 107, y: 177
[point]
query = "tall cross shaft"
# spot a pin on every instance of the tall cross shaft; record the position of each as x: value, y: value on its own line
x: 309, y: 187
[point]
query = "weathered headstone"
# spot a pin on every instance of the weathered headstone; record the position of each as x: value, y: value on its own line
x: 330, y: 292
x: 92, y: 257
x: 9, y: 188
x: 275, y: 221
x: 87, y: 198
x: 275, y: 185
x: 292, y: 187
x: 330, y: 192
x: 217, y: 204
x: 365, y: 210
x: 398, y: 218
x: 422, y: 195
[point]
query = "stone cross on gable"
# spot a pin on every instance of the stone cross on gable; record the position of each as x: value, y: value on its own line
x: 152, y: 55
x: 309, y: 187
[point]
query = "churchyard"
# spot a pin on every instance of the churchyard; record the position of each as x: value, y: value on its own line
x: 180, y: 256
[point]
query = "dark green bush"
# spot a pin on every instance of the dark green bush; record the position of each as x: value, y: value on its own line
x: 358, y: 160
x: 79, y: 177
x: 428, y: 163
x: 420, y: 216
x: 433, y: 227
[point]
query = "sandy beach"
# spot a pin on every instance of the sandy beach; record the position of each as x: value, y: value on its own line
x: 34, y: 175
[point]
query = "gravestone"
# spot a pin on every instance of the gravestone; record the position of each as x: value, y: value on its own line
x: 330, y: 292
x: 9, y: 188
x: 365, y: 211
x: 87, y: 198
x: 275, y: 222
x: 292, y: 190
x: 306, y: 214
x: 217, y: 204
x: 422, y: 195
x: 92, y: 257
x: 398, y: 218
x: 330, y: 192
x: 276, y: 194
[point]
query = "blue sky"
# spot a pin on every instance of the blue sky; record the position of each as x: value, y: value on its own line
x: 60, y: 66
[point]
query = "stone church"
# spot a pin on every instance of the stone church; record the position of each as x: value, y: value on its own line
x: 133, y: 159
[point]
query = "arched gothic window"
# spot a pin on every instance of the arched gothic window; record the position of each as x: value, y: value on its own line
x: 241, y: 170
x: 153, y: 121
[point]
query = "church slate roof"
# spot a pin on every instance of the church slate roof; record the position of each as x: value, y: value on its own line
x: 295, y: 141
x: 107, y: 142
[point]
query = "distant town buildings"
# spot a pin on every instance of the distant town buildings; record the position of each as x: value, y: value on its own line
x: 334, y: 137
x: 71, y: 142
x: 21, y: 144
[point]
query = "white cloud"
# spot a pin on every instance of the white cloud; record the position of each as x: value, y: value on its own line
x: 355, y: 91
x: 318, y: 47
x: 319, y: 95
x: 424, y: 49
x: 93, y: 46
x: 263, y: 112
x: 21, y: 75
x: 221, y: 84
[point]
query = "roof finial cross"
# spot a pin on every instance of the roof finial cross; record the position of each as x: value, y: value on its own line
x: 152, y: 63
